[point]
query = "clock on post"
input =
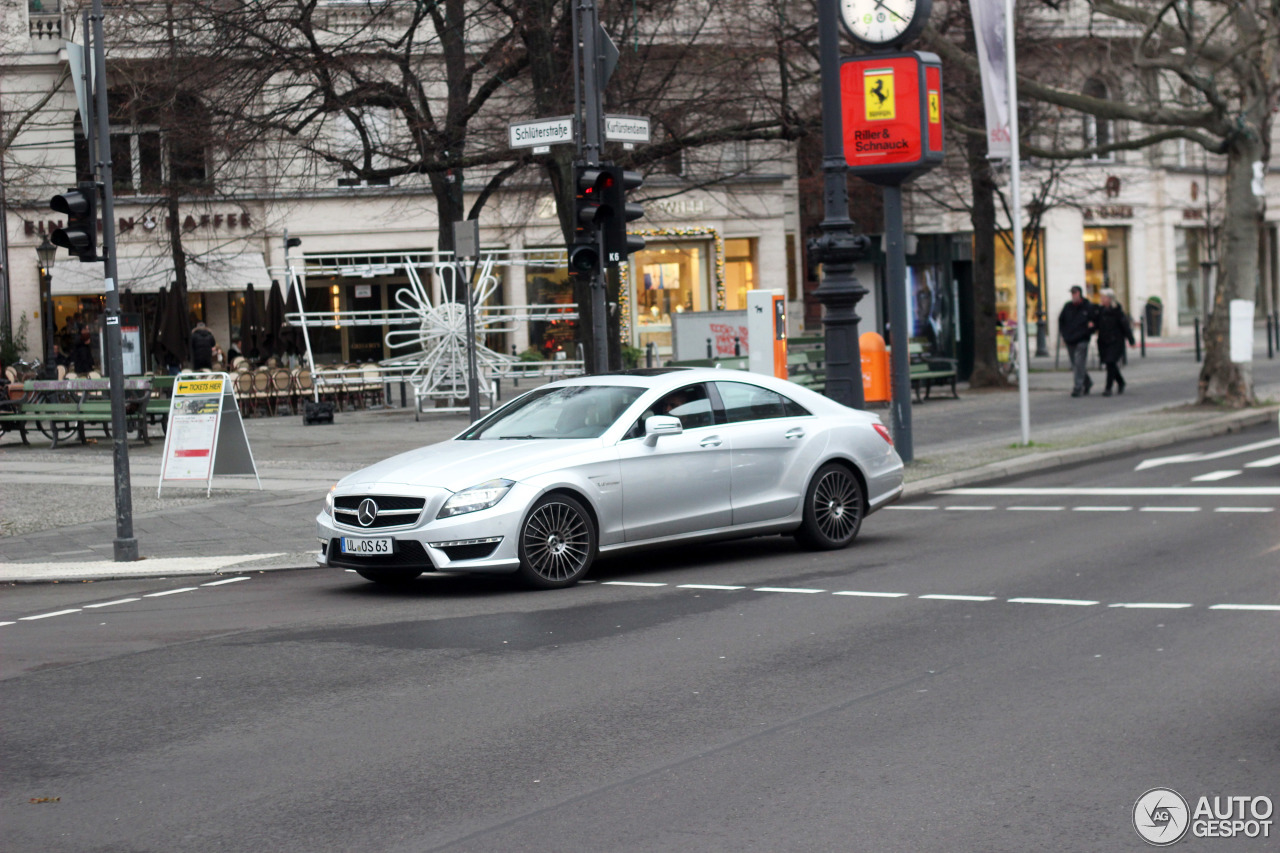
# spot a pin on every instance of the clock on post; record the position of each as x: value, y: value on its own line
x: 884, y: 24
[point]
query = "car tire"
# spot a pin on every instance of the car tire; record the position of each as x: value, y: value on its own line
x: 389, y: 577
x: 557, y: 543
x: 834, y: 506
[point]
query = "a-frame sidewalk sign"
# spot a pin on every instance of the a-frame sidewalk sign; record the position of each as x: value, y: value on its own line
x: 205, y: 436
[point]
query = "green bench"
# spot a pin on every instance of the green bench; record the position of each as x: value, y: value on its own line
x: 60, y: 409
x: 928, y: 372
x: 806, y: 367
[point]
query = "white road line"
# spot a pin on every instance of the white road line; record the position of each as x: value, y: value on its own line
x: 1036, y: 508
x: 1070, y: 602
x: 968, y: 508
x: 917, y: 508
x: 1244, y: 509
x: 1151, y: 605
x: 708, y: 586
x: 110, y: 603
x: 631, y: 583
x: 1168, y: 509
x: 1214, y: 476
x: 1120, y: 491
x: 1269, y: 462
x: 872, y: 594
x: 2, y: 624
x: 1244, y: 607
x: 1204, y: 457
x: 47, y: 615
x: 941, y: 597
x: 171, y: 592
x: 1102, y: 508
x: 226, y: 580
x: 787, y: 589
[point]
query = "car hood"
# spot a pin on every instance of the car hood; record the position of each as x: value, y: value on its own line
x: 456, y: 465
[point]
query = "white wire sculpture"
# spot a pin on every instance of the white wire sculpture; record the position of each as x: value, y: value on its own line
x: 438, y: 345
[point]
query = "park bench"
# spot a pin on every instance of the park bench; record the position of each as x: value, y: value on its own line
x: 928, y: 371
x: 62, y: 408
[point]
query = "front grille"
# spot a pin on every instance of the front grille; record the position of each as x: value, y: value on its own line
x: 408, y: 553
x: 393, y: 510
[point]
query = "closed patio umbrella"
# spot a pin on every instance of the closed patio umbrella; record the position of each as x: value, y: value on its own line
x: 175, y: 337
x: 153, y: 327
x: 291, y: 335
x: 272, y: 331
x: 251, y: 326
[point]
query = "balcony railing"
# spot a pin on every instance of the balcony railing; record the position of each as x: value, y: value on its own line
x: 45, y: 21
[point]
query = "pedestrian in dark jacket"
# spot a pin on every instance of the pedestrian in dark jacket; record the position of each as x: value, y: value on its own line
x: 82, y: 354
x: 1114, y: 329
x: 202, y: 343
x: 1075, y: 326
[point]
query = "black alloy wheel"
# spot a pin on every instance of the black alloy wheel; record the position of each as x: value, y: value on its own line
x: 834, y: 506
x: 557, y: 543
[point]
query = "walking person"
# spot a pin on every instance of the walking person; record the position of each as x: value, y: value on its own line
x: 1075, y: 327
x: 202, y: 344
x: 1114, y: 329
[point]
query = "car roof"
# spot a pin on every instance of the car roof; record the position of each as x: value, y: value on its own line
x: 670, y: 378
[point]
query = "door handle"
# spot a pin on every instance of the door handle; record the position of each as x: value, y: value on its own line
x: 795, y: 432
x: 710, y: 441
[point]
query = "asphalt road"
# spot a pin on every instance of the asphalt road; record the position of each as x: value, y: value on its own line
x: 1000, y: 669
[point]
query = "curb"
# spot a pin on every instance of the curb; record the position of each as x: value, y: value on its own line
x: 1057, y: 459
x: 157, y: 567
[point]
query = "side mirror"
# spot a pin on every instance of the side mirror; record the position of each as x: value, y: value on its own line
x: 659, y: 425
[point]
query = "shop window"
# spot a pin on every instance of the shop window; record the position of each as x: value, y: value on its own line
x: 739, y: 272
x: 1106, y: 264
x: 1191, y: 274
x: 550, y: 285
x: 670, y: 280
x: 1006, y: 279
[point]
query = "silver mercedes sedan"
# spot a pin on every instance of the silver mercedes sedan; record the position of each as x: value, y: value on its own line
x: 609, y: 463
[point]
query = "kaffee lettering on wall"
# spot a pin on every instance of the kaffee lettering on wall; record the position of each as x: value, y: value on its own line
x: 125, y: 224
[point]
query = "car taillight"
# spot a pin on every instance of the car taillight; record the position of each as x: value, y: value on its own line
x: 884, y: 433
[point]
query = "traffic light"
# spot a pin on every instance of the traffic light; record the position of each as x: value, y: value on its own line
x: 590, y: 214
x: 80, y: 236
x: 617, y: 243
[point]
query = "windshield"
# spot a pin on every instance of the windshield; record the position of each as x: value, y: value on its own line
x: 574, y: 411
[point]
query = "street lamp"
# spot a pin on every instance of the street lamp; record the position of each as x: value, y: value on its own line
x: 46, y: 252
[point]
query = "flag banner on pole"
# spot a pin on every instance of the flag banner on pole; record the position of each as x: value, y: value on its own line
x: 989, y: 34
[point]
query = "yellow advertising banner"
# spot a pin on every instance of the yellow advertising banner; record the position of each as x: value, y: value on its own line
x: 186, y: 387
x: 877, y: 83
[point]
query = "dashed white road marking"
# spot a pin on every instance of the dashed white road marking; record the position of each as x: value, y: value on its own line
x: 969, y: 508
x: 1244, y: 607
x: 1151, y: 605
x: 1244, y: 509
x: 788, y: 589
x: 1102, y: 508
x: 47, y: 615
x: 943, y: 597
x: 226, y: 580
x: 1168, y: 509
x: 1036, y: 508
x: 912, y: 507
x: 872, y: 594
x: 1214, y: 476
x: 709, y: 586
x: 2, y: 624
x: 1119, y: 491
x: 1204, y: 457
x: 171, y: 592
x: 110, y: 603
x: 1069, y: 602
x: 1269, y: 462
x: 631, y: 583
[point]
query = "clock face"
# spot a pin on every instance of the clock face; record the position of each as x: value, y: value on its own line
x: 879, y: 22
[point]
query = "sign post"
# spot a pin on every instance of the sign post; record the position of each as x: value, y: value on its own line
x: 205, y: 436
x: 892, y: 110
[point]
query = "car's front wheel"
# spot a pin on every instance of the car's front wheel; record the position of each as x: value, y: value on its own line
x: 834, y: 506
x: 557, y: 542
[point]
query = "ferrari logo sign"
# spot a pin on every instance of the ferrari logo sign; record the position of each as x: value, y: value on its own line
x: 877, y: 84
x: 935, y: 108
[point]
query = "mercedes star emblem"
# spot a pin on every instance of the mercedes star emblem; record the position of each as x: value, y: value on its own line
x: 367, y: 513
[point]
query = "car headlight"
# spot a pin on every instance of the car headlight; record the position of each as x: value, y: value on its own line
x: 328, y: 501
x: 476, y: 498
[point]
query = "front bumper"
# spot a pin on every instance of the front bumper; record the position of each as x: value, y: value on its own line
x: 482, y: 541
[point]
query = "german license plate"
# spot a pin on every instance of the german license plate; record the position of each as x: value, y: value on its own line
x: 366, y: 547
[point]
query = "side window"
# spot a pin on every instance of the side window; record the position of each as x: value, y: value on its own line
x: 690, y: 404
x: 744, y: 402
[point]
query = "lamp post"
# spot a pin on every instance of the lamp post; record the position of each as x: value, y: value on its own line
x: 46, y: 252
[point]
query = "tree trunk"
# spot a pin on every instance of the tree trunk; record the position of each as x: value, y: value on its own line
x: 1221, y: 380
x: 986, y: 367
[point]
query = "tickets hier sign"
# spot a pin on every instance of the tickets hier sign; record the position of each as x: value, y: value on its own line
x: 891, y: 106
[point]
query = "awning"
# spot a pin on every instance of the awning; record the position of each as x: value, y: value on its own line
x: 210, y: 273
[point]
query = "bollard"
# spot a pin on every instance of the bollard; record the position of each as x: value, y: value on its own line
x: 1197, y: 334
x: 404, y: 404
x: 1270, y: 349
x: 737, y: 345
x: 650, y: 354
x: 710, y: 352
x: 1142, y: 335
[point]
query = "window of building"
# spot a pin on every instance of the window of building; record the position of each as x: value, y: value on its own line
x: 148, y: 153
x: 670, y: 279
x: 1006, y: 280
x: 1098, y: 131
x: 1106, y: 252
x: 365, y: 138
x: 1192, y: 275
x: 739, y: 272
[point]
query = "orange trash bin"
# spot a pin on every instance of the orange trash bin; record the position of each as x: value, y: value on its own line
x: 875, y: 368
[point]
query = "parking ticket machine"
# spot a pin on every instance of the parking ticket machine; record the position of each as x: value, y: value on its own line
x: 767, y: 332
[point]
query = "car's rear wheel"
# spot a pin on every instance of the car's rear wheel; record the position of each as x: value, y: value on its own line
x: 389, y: 577
x: 834, y: 506
x: 557, y: 543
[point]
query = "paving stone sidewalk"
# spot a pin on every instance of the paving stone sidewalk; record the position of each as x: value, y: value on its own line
x: 57, y: 516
